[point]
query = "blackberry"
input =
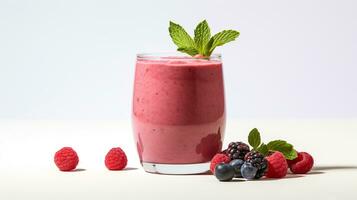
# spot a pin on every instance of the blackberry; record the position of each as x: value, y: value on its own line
x: 257, y: 160
x: 237, y: 150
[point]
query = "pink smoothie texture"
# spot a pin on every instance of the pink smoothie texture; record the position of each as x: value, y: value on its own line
x: 178, y: 110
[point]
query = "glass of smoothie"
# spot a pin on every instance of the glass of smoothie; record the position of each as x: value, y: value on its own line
x: 178, y: 112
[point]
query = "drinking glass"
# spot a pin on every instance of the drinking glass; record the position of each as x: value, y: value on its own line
x: 178, y: 112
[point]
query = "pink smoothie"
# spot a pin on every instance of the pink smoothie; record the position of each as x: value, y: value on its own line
x: 178, y: 110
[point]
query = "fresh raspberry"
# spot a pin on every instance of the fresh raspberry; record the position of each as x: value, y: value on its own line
x: 302, y: 164
x: 277, y: 165
x: 116, y: 159
x: 290, y: 162
x: 66, y: 159
x: 218, y: 158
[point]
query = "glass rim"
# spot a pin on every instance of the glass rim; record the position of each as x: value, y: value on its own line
x: 174, y: 55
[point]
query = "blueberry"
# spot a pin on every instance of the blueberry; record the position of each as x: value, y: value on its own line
x: 224, y: 172
x: 248, y: 171
x: 237, y: 164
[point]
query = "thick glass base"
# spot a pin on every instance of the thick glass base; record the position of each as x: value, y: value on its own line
x: 198, y: 168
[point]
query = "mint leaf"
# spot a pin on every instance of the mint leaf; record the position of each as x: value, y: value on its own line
x: 263, y: 149
x: 180, y: 37
x: 279, y: 145
x: 254, y: 138
x: 189, y: 50
x: 202, y: 36
x: 291, y: 155
x: 220, y: 39
x: 283, y: 147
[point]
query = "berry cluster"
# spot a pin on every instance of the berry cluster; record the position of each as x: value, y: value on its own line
x: 238, y: 161
x: 66, y: 159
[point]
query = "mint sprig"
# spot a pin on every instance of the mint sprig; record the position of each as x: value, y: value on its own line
x: 282, y: 146
x: 202, y: 44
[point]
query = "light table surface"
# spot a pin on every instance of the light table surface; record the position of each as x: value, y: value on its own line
x: 27, y: 170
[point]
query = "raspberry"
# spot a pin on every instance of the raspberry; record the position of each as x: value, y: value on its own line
x: 277, y: 165
x: 290, y: 162
x: 217, y: 159
x: 115, y: 159
x: 66, y: 159
x: 302, y: 164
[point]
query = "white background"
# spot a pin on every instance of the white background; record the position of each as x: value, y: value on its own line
x: 75, y: 59
x: 68, y: 66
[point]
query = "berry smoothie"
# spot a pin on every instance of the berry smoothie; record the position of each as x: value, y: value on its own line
x: 178, y: 109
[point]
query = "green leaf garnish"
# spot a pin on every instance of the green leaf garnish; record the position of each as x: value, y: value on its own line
x: 180, y: 37
x: 202, y: 35
x: 282, y: 146
x: 189, y: 50
x: 202, y: 44
x: 291, y: 155
x: 254, y: 138
x: 221, y: 38
x: 279, y: 145
x: 263, y: 149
